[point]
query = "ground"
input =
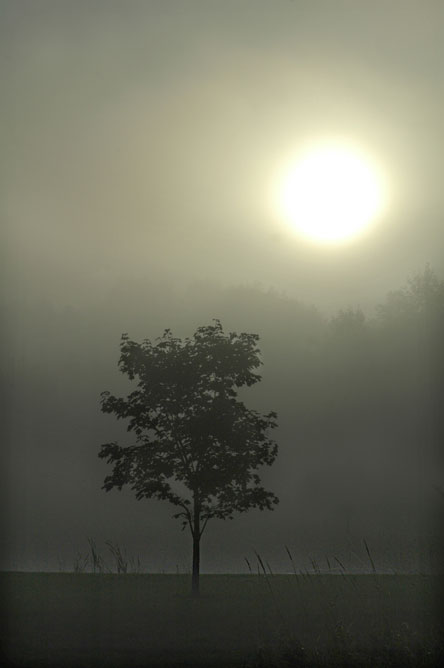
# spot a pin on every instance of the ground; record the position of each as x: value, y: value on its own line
x: 112, y: 620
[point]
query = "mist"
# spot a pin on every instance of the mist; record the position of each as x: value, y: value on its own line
x: 140, y: 141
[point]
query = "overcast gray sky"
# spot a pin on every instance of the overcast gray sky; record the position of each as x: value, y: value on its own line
x: 140, y: 141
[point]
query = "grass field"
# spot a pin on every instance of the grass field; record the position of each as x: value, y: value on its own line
x: 85, y: 620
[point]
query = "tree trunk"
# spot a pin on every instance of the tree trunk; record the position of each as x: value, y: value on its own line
x: 196, y: 550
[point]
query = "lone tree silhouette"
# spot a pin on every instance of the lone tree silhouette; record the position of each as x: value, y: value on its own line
x: 192, y: 432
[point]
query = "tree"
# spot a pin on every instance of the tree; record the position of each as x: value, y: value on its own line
x: 192, y: 432
x: 422, y: 298
x: 412, y: 323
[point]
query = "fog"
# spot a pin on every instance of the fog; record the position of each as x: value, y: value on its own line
x: 140, y: 143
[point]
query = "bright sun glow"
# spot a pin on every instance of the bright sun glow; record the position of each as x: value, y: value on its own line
x: 330, y: 194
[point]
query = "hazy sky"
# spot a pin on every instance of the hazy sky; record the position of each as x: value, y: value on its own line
x: 140, y: 142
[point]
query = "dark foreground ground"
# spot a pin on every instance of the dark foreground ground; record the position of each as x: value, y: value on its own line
x: 88, y: 620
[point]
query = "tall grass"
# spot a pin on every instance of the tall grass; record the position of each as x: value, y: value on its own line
x: 395, y: 643
x: 121, y: 562
x: 97, y: 561
x: 370, y: 556
x: 94, y: 562
x: 80, y: 562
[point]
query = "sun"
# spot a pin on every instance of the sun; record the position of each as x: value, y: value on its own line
x: 330, y: 193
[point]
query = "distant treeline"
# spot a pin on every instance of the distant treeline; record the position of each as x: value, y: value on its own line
x: 360, y: 406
